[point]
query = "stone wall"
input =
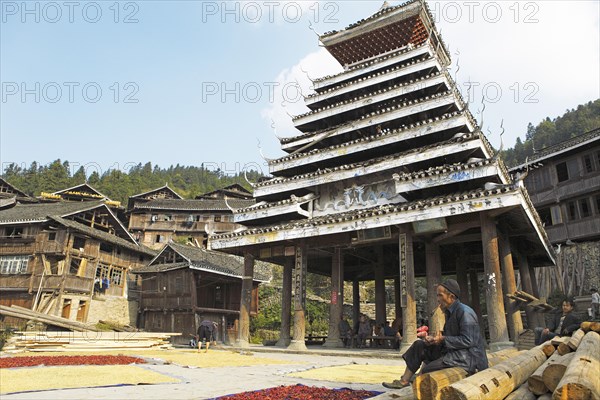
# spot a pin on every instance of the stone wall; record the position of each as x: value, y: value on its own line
x: 113, y: 308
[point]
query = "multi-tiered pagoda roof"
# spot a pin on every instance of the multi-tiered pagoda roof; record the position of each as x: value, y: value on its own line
x: 388, y: 141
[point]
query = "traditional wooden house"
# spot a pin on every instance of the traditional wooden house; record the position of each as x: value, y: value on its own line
x: 184, y: 285
x: 390, y: 177
x: 51, y: 254
x: 234, y: 191
x: 564, y: 184
x: 162, y: 216
x: 10, y: 195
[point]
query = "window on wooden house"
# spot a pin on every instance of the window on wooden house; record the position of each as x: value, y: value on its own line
x: 572, y: 211
x: 105, y: 247
x: 116, y: 276
x: 159, y: 239
x: 545, y: 216
x: 598, y: 204
x: 179, y: 284
x: 584, y: 208
x: 217, y: 218
x: 51, y: 235
x: 556, y: 215
x: 102, y: 270
x: 13, y: 264
x: 79, y: 243
x: 588, y: 163
x: 14, y: 231
x: 562, y: 172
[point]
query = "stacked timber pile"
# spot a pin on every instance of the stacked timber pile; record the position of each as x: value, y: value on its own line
x: 91, y: 341
x: 80, y: 337
x: 564, y: 368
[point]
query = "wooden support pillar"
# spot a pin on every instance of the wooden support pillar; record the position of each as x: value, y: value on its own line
x: 533, y: 318
x: 509, y: 284
x: 286, y: 303
x: 492, y: 276
x: 407, y: 290
x: 297, y: 342
x: 380, y: 311
x: 433, y: 267
x: 397, y: 306
x: 336, y: 306
x: 462, y: 277
x: 534, y: 285
x: 246, y: 301
x: 475, y: 302
x: 355, y: 302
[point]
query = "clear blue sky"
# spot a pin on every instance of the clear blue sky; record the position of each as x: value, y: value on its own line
x: 191, y: 82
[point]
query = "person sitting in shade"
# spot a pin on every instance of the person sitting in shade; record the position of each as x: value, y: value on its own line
x: 345, y: 331
x: 460, y: 344
x: 563, y: 324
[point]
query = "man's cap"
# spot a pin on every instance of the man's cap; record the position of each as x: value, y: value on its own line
x: 593, y: 289
x: 452, y: 286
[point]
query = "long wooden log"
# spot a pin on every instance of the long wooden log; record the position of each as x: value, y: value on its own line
x: 580, y: 380
x: 498, y: 381
x: 554, y: 372
x: 63, y: 323
x: 429, y: 386
x: 557, y: 340
x: 27, y: 311
x: 536, y: 380
x: 572, y: 343
x: 522, y: 393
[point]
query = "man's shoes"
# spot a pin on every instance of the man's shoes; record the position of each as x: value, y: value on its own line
x: 396, y: 384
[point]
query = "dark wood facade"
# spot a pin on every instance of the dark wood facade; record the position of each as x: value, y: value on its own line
x: 160, y: 216
x: 564, y: 184
x: 184, y: 285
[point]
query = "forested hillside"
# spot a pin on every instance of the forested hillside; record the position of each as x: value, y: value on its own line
x: 551, y: 131
x: 118, y: 185
x: 192, y: 181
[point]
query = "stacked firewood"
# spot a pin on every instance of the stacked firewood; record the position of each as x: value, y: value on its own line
x: 564, y: 368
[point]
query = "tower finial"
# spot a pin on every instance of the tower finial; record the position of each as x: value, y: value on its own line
x: 384, y: 5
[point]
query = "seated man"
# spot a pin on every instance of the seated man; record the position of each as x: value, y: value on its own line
x: 461, y: 344
x: 563, y: 324
x: 345, y: 331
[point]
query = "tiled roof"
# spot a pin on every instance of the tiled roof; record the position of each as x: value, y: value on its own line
x: 383, y: 11
x: 379, y: 112
x: 214, y: 261
x: 352, y: 82
x: 465, y: 137
x: 156, y: 190
x: 366, y: 95
x: 559, y: 147
x: 371, y: 212
x: 193, y: 205
x: 384, y: 133
x: 371, y: 62
x: 79, y: 188
x: 104, y: 236
x: 40, y: 212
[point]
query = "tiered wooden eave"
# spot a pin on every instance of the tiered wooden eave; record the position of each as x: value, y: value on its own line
x: 388, y: 142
